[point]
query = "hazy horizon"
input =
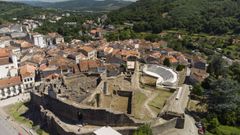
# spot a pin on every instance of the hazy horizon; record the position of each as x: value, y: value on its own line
x: 51, y: 0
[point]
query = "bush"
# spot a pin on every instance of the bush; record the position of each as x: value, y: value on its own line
x: 144, y: 130
x: 180, y: 67
x: 197, y: 90
x: 166, y: 62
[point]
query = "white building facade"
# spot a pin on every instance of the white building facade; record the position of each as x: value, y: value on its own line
x: 8, y: 66
x: 39, y: 40
x: 10, y: 87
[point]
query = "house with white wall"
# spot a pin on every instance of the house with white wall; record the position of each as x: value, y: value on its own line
x: 27, y: 73
x: 8, y: 64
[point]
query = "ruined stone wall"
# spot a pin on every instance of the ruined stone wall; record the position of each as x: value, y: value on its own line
x: 56, y: 128
x: 173, y: 123
x: 128, y: 94
x: 77, y: 114
x: 164, y: 127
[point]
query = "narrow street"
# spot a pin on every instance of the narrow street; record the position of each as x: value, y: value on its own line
x: 7, y: 125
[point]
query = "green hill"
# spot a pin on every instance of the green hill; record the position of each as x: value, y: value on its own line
x: 83, y: 5
x: 9, y: 10
x: 209, y: 16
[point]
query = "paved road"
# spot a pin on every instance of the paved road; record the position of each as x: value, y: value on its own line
x: 15, y: 99
x: 179, y: 105
x: 189, y: 128
x: 6, y: 128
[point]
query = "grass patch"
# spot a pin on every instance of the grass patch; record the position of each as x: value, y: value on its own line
x: 182, y: 76
x: 17, y: 110
x: 196, y: 106
x: 157, y: 103
x: 139, y: 112
x: 227, y: 130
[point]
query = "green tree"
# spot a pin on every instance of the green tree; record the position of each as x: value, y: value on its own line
x: 180, y: 67
x: 224, y: 100
x: 235, y: 71
x: 197, y: 90
x: 166, y: 62
x: 139, y: 27
x: 216, y: 66
x: 213, y: 123
x: 144, y: 130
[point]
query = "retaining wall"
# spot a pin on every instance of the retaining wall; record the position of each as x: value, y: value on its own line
x: 77, y: 114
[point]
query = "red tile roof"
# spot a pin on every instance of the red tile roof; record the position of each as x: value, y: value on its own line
x: 27, y: 70
x: 4, y: 53
x: 4, y: 83
x: 85, y: 65
x: 87, y: 48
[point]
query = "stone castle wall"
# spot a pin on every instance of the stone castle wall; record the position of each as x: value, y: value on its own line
x: 77, y: 114
x: 55, y: 126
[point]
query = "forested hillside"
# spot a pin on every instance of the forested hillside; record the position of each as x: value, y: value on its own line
x: 9, y: 10
x: 82, y: 5
x: 209, y: 16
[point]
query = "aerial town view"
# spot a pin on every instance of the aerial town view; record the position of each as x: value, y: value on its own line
x: 119, y: 67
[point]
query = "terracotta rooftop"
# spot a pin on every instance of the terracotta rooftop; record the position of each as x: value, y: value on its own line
x: 10, y: 82
x: 4, y: 53
x: 94, y: 31
x: 199, y: 74
x: 87, y: 48
x: 27, y: 70
x: 59, y: 61
x: 156, y: 54
x: 38, y: 59
x: 5, y: 38
x: 24, y: 44
x: 172, y: 59
x: 54, y: 35
x: 129, y: 53
x: 85, y: 65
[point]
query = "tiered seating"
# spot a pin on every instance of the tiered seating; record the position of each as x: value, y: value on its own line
x: 166, y: 75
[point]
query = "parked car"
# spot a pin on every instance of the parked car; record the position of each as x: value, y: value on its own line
x: 198, y: 124
x: 200, y: 131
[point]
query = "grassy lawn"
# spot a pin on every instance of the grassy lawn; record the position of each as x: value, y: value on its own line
x: 182, y: 76
x: 196, y: 106
x: 138, y: 110
x: 17, y: 110
x: 157, y: 103
x: 227, y: 130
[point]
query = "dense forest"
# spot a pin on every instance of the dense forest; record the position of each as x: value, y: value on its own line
x: 222, y: 89
x: 69, y: 31
x: 208, y: 16
x: 9, y: 10
x: 91, y: 5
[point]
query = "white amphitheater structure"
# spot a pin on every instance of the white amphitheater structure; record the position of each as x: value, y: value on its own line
x: 166, y: 77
